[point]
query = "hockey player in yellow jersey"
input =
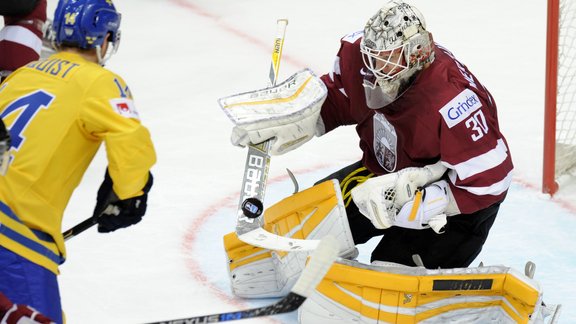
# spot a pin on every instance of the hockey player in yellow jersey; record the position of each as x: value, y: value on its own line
x: 59, y: 111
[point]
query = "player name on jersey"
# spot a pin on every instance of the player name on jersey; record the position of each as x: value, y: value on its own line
x: 55, y: 66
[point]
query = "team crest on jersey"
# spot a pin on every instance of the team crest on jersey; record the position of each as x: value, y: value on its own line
x: 124, y: 107
x: 385, y: 143
x: 459, y: 108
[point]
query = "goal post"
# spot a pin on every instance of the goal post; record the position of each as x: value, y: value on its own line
x: 560, y: 94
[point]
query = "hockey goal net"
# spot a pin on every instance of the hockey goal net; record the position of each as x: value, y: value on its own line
x: 560, y: 101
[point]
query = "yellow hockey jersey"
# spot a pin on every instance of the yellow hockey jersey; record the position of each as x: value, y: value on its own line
x: 59, y: 110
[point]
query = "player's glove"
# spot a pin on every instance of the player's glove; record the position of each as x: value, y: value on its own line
x: 287, y: 114
x: 410, y: 179
x: 4, y: 147
x: 426, y: 210
x: 385, y: 199
x: 11, y: 313
x: 115, y: 213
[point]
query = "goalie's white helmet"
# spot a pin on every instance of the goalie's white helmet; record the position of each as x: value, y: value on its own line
x: 395, y: 46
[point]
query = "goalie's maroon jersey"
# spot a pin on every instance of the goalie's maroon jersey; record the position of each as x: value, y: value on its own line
x: 446, y: 114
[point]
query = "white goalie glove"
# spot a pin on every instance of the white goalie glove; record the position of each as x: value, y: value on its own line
x: 410, y: 198
x: 410, y: 179
x: 287, y: 114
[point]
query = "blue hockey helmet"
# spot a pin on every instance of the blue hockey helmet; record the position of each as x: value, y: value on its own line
x: 85, y: 23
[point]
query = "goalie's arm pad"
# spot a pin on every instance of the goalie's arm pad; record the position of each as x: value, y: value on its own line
x: 288, y: 114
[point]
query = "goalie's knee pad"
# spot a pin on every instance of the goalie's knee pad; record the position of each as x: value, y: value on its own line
x: 356, y: 293
x: 311, y: 214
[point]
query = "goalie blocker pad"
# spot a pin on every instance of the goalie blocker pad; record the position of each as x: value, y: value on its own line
x: 310, y: 214
x: 287, y: 113
x: 356, y: 293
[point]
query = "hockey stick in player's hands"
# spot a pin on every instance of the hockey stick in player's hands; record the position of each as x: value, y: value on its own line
x: 320, y: 262
x: 87, y: 223
x: 80, y: 227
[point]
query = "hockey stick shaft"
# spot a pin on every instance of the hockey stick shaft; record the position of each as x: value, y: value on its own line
x: 85, y: 224
x: 320, y: 262
x: 281, y: 25
x: 258, y: 159
x: 257, y: 165
x: 80, y: 227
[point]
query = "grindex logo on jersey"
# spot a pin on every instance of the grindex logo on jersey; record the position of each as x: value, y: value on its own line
x: 459, y: 108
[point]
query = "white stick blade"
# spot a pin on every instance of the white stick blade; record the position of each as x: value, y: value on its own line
x: 266, y: 240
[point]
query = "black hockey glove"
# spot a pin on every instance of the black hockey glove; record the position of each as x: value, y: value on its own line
x: 4, y: 134
x: 4, y: 146
x: 115, y: 213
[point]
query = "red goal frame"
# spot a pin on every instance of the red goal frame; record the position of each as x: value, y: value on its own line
x: 549, y: 184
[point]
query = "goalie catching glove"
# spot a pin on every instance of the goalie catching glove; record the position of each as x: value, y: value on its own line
x: 287, y: 114
x: 410, y: 198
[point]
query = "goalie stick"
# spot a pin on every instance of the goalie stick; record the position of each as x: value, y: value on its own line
x: 249, y: 215
x: 258, y: 159
x: 320, y: 262
x: 250, y: 221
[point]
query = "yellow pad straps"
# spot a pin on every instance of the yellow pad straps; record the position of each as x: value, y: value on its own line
x: 347, y: 194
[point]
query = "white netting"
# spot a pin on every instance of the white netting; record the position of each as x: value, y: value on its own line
x: 566, y: 97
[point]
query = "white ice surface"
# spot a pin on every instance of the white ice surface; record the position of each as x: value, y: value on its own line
x: 179, y: 56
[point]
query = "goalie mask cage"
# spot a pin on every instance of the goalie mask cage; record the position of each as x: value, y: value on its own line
x: 560, y: 95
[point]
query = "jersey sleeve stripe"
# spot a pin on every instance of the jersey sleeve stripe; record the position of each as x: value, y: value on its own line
x: 22, y: 36
x: 481, y: 163
x: 495, y: 189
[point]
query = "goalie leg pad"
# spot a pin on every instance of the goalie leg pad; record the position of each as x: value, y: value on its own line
x: 356, y: 293
x: 252, y: 270
x: 311, y: 214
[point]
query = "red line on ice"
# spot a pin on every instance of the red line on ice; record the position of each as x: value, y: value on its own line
x: 565, y: 204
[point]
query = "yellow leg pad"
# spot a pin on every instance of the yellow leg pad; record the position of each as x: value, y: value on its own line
x: 310, y: 214
x: 303, y: 210
x: 410, y: 295
x: 240, y: 253
x: 301, y: 215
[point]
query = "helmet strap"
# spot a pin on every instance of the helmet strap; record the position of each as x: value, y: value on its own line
x: 110, y: 50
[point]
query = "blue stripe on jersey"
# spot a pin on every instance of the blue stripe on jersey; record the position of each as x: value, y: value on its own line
x: 25, y: 241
